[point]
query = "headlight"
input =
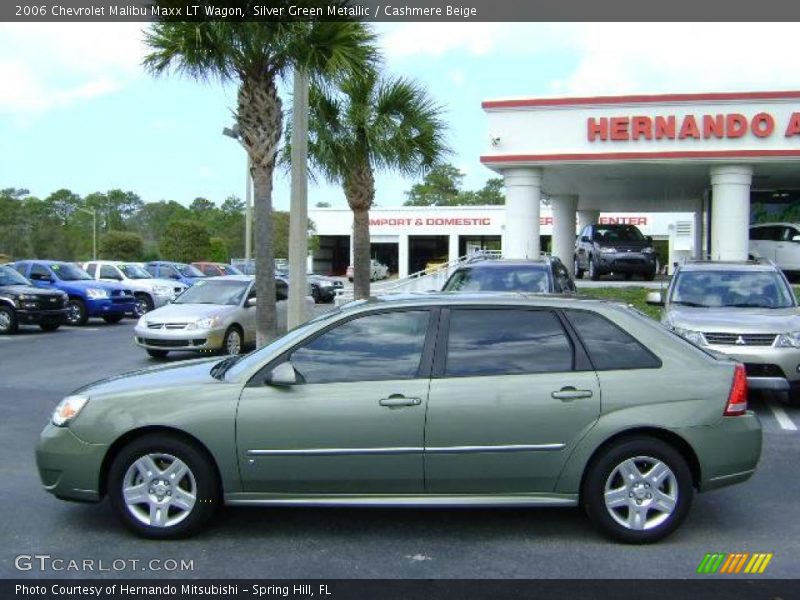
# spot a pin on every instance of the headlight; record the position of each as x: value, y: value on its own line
x: 96, y: 294
x: 24, y: 297
x: 607, y: 250
x: 162, y: 290
x: 695, y: 337
x: 142, y: 322
x: 68, y: 409
x: 648, y: 250
x: 207, y: 323
x: 788, y: 340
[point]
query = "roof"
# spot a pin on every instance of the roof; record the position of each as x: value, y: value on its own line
x: 774, y: 223
x: 472, y: 298
x: 501, y: 262
x: 720, y: 265
x: 231, y: 278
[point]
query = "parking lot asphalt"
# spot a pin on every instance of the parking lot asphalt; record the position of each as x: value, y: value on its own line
x: 38, y: 369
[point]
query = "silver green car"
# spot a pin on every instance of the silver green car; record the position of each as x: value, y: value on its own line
x: 419, y: 400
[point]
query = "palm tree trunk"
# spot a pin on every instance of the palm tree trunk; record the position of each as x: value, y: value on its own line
x: 260, y: 119
x: 359, y: 189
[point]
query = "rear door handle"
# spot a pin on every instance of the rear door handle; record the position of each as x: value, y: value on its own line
x: 570, y: 393
x: 397, y: 400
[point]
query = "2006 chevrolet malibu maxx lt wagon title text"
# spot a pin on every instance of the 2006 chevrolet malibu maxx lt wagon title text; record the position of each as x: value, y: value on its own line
x: 462, y: 400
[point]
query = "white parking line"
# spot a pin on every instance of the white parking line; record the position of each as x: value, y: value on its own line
x: 780, y: 415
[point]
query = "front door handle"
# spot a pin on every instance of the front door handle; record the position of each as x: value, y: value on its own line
x: 397, y: 400
x: 570, y: 393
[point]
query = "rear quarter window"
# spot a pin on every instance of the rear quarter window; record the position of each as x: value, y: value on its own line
x: 609, y: 346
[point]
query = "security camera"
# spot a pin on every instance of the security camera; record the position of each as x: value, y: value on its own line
x: 494, y: 140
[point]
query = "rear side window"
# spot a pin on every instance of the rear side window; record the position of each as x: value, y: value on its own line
x: 609, y: 347
x: 506, y: 342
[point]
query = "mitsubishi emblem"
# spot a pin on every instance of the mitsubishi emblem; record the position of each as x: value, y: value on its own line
x: 740, y: 341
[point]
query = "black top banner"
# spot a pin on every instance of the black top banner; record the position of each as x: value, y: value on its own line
x: 626, y: 11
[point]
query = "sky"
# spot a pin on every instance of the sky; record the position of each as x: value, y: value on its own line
x: 77, y: 110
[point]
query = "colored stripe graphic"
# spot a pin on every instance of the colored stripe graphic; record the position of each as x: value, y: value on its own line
x: 725, y: 563
x: 758, y: 563
x: 710, y: 563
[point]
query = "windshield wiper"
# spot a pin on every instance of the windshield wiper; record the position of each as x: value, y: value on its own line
x: 747, y: 305
x: 218, y: 370
x: 687, y: 303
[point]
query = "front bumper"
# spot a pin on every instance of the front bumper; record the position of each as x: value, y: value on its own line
x: 626, y: 262
x: 768, y: 368
x: 42, y: 317
x: 194, y: 340
x: 727, y: 451
x: 106, y: 306
x: 69, y: 468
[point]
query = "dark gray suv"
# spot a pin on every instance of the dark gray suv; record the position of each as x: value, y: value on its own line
x: 614, y: 248
x: 545, y: 276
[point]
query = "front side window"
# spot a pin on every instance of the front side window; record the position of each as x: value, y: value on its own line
x: 732, y: 289
x: 69, y: 272
x: 133, y: 271
x: 40, y: 272
x: 378, y: 347
x: 109, y: 272
x: 190, y: 271
x: 608, y: 345
x: 506, y: 342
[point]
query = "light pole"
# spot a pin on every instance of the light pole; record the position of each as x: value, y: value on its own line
x: 235, y: 133
x: 298, y: 212
x: 90, y: 211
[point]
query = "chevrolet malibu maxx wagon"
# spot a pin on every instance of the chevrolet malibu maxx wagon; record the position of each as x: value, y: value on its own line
x: 421, y: 400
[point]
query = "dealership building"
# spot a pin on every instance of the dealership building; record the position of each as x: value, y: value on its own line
x: 685, y: 163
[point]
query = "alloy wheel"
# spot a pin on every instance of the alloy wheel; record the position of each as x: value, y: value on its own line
x: 159, y: 490
x: 5, y: 321
x: 233, y: 342
x: 641, y: 493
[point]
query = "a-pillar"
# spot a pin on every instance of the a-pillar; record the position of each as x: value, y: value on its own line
x: 564, y: 209
x: 587, y: 217
x: 730, y: 212
x: 523, y: 195
x: 402, y: 256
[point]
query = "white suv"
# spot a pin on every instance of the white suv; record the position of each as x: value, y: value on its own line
x: 778, y: 242
x: 150, y: 292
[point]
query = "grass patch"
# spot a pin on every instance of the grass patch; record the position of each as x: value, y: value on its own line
x: 629, y: 295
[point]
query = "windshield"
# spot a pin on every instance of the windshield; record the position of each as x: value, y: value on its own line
x: 533, y: 279
x: 214, y: 291
x: 69, y: 272
x: 134, y: 272
x: 735, y: 289
x: 9, y: 276
x: 230, y: 270
x: 190, y: 271
x: 617, y: 233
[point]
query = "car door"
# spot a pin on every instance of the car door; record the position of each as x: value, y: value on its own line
x: 787, y: 251
x: 511, y: 395
x: 356, y: 422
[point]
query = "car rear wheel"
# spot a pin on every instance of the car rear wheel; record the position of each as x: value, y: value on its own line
x: 143, y: 305
x: 49, y: 326
x: 76, y: 313
x: 639, y: 491
x: 232, y: 342
x: 157, y: 353
x: 111, y: 319
x: 162, y: 487
x: 8, y: 321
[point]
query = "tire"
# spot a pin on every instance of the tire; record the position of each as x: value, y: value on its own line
x: 77, y: 315
x: 176, y: 484
x: 144, y: 304
x: 315, y: 295
x: 578, y: 271
x: 49, y: 326
x: 233, y: 342
x: 112, y: 319
x: 8, y: 320
x: 594, y: 275
x: 157, y: 353
x: 673, y: 489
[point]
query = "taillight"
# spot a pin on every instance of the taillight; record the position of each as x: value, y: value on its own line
x: 737, y: 399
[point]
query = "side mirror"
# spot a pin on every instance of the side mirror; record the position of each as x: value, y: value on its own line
x: 655, y: 299
x: 251, y: 302
x: 283, y: 375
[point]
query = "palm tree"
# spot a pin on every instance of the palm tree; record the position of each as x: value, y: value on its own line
x: 368, y: 124
x: 257, y: 56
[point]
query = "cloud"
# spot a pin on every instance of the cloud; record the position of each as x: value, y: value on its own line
x: 50, y: 65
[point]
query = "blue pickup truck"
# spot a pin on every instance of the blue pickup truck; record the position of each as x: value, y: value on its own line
x: 87, y: 297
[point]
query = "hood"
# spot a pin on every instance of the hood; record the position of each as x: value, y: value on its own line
x: 735, y: 320
x: 181, y: 313
x: 84, y: 284
x: 29, y: 289
x: 626, y: 246
x: 178, y: 374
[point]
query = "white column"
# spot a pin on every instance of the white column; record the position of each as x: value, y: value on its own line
x: 698, y: 230
x: 730, y: 211
x: 523, y: 195
x: 402, y: 256
x: 453, y: 246
x: 587, y: 217
x: 564, y: 208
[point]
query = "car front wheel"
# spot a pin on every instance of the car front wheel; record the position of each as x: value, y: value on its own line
x: 8, y: 320
x: 162, y: 487
x: 594, y: 274
x: 578, y: 271
x: 639, y: 491
x: 233, y: 342
x: 76, y: 313
x: 143, y: 305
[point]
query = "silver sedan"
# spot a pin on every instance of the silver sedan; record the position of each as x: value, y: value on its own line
x: 214, y: 314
